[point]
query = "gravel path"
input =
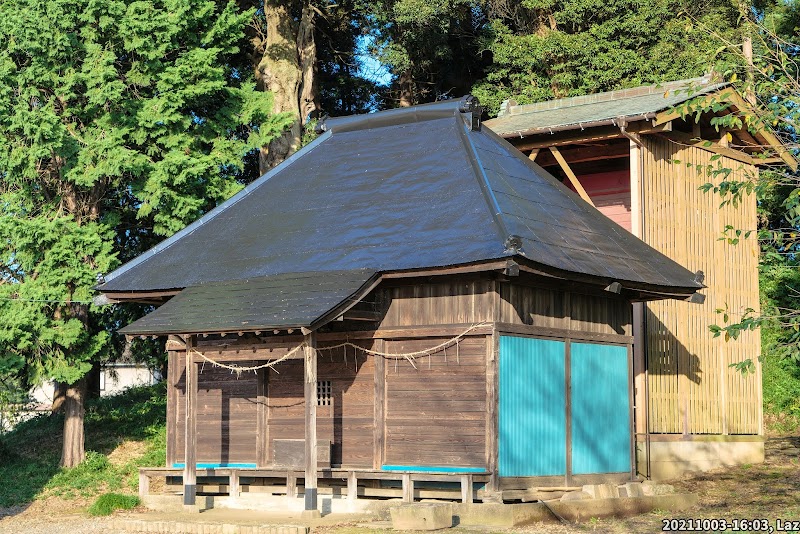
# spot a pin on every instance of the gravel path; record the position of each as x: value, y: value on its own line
x: 39, y: 524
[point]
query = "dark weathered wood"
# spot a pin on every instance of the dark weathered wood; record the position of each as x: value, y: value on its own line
x: 173, y: 374
x: 379, y: 433
x: 190, y: 454
x: 562, y: 333
x: 310, y: 387
x: 292, y: 453
x: 492, y: 350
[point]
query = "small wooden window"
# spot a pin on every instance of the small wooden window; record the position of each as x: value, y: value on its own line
x: 324, y: 393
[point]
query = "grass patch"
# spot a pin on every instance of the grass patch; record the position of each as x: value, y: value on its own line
x: 106, y: 504
x: 29, y: 455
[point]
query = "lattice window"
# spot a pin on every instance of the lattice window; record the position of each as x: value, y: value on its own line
x: 324, y: 393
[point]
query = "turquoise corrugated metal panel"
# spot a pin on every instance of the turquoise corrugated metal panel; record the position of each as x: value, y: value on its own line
x: 600, y: 409
x: 532, y: 439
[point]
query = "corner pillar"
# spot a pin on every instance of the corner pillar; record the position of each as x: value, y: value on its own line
x: 310, y: 389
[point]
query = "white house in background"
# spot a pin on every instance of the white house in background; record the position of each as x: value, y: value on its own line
x: 115, y: 377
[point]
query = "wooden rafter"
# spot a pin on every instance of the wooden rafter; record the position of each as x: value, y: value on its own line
x: 730, y: 96
x: 570, y: 175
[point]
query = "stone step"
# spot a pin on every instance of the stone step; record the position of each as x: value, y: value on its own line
x: 196, y: 527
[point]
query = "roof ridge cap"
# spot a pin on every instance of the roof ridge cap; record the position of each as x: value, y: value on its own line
x: 606, y: 96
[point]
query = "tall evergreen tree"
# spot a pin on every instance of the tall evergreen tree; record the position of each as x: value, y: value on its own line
x: 545, y: 49
x: 119, y: 120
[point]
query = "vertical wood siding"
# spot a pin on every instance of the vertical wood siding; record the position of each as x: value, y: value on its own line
x: 453, y: 302
x: 475, y: 301
x: 226, y: 414
x: 692, y: 388
x: 347, y: 423
x: 436, y: 414
x: 558, y: 309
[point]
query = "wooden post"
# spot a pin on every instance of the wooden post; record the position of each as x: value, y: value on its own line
x: 641, y: 409
x: 379, y: 428
x: 352, y: 487
x: 466, y: 489
x: 262, y: 429
x: 233, y: 484
x: 190, y: 455
x: 310, y: 388
x: 291, y: 486
x: 144, y: 484
x: 408, y: 488
x: 492, y: 342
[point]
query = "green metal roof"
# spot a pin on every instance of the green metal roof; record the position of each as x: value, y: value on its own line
x: 594, y: 110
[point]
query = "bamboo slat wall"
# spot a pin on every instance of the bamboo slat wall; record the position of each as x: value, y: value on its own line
x: 692, y: 388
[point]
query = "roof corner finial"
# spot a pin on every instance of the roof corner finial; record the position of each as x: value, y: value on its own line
x: 469, y: 103
x: 513, y: 244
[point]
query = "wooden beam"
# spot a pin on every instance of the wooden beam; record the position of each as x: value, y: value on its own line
x: 571, y: 137
x: 711, y: 146
x: 587, y: 153
x: 544, y: 139
x: 190, y: 454
x: 310, y: 389
x: 570, y: 175
x: 533, y: 154
x: 362, y: 315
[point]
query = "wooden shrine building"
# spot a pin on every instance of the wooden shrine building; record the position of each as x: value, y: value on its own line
x: 407, y: 299
x: 635, y: 154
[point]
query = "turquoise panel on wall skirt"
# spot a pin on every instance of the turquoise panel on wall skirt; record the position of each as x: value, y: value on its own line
x: 531, y: 411
x: 601, y: 433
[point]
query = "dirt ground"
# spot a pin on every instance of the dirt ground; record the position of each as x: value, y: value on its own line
x: 768, y: 491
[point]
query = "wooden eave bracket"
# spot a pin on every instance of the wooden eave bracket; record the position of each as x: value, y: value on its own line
x: 570, y: 175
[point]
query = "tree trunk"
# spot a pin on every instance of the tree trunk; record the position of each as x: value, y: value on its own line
x: 73, y: 451
x: 406, y: 87
x: 287, y: 71
x: 59, y: 396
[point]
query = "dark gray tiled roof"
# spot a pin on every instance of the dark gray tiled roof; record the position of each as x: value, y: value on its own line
x: 282, y: 301
x: 394, y: 191
x: 578, y: 112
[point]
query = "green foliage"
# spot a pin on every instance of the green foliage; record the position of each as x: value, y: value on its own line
x: 122, y: 121
x: 29, y: 454
x: 429, y: 46
x: 544, y: 49
x: 107, y: 503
